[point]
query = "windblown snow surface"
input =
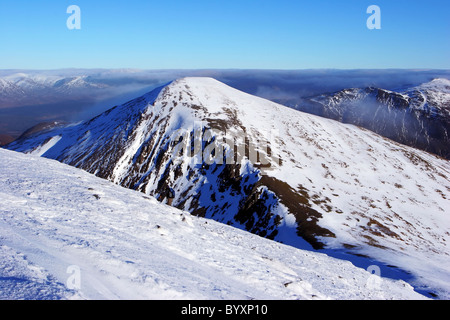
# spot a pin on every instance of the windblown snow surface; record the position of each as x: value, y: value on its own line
x: 66, y: 234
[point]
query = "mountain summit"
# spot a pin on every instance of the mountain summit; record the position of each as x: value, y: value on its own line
x: 277, y: 172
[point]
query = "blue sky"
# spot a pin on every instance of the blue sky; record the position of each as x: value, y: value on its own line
x: 244, y: 34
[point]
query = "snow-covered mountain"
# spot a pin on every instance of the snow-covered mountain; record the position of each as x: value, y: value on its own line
x: 286, y: 175
x: 66, y: 234
x: 417, y: 116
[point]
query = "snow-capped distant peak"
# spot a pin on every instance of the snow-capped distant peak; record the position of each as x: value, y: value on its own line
x: 440, y: 84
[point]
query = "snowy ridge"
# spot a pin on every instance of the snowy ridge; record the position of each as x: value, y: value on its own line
x: 417, y: 116
x: 126, y: 245
x: 433, y: 96
x: 336, y: 186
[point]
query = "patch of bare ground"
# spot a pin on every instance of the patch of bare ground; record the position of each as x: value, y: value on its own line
x: 298, y: 204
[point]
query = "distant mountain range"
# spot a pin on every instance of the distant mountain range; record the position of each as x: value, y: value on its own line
x: 25, y: 89
x: 27, y: 99
x: 286, y: 175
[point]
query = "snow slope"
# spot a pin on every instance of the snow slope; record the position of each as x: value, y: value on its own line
x: 60, y: 225
x: 336, y: 186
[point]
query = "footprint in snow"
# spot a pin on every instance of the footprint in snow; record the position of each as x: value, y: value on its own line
x: 161, y: 230
x: 186, y: 219
x: 302, y: 289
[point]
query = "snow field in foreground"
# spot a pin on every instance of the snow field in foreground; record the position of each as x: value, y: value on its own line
x: 66, y: 234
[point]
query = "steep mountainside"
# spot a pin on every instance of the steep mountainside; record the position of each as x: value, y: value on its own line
x: 66, y: 234
x: 277, y: 172
x: 418, y: 116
